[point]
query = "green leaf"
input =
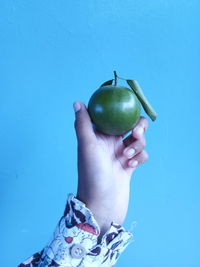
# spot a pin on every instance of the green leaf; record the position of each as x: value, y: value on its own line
x: 107, y: 83
x: 143, y: 100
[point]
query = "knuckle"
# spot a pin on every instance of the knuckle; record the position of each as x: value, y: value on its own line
x: 78, y: 124
x: 144, y: 122
x: 142, y: 118
x: 140, y: 145
x: 143, y: 142
x: 145, y: 156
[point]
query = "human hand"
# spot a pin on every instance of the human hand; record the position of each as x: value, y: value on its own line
x: 105, y: 167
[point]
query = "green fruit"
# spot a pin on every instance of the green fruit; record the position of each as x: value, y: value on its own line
x: 114, y: 110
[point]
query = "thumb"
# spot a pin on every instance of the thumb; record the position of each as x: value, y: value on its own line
x: 83, y: 123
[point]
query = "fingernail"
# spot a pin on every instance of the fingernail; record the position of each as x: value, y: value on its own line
x: 76, y: 106
x: 130, y: 152
x: 134, y: 163
x: 139, y: 131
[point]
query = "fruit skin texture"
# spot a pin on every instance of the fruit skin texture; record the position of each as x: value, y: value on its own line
x: 114, y: 110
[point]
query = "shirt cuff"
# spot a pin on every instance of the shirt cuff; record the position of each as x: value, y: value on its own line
x: 74, y: 242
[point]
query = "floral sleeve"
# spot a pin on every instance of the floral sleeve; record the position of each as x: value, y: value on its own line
x: 74, y: 242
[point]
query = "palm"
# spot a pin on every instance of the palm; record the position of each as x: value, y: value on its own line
x: 103, y: 169
x: 110, y: 156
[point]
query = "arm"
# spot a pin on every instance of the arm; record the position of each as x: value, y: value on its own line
x: 90, y: 233
x: 105, y: 167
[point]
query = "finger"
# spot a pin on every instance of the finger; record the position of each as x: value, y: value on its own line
x: 139, y: 159
x: 134, y: 148
x: 140, y: 127
x: 83, y: 124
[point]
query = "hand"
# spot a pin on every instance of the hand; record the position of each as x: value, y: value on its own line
x: 105, y: 166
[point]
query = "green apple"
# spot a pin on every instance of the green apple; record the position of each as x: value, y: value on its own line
x: 114, y: 109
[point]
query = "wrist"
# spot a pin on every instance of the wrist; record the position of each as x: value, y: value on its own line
x: 107, y: 205
x: 104, y: 211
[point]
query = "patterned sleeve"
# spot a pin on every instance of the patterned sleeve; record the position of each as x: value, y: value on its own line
x: 74, y: 242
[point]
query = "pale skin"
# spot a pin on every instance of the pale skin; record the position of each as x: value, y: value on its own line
x: 105, y: 168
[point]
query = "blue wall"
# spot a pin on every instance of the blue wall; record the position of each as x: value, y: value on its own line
x: 55, y: 52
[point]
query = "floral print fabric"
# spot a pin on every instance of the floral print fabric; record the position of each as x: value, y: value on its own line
x: 78, y: 226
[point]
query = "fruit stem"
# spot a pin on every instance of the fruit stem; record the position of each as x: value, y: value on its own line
x: 121, y: 78
x: 115, y: 80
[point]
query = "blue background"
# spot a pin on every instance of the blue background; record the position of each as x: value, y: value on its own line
x: 55, y: 52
